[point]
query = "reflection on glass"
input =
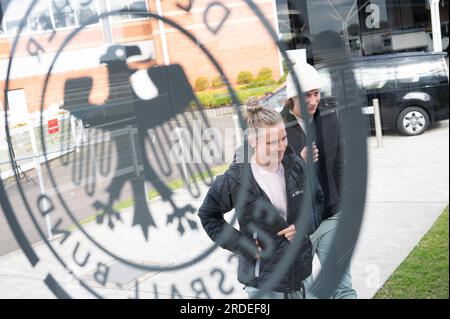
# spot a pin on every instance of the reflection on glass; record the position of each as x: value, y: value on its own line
x: 117, y: 5
x: 14, y: 15
x: 134, y: 5
x: 374, y: 14
x: 378, y: 76
x: 39, y: 19
x: 332, y: 90
x: 138, y: 6
x: 329, y: 24
x: 367, y: 27
x: 1, y: 20
x: 357, y: 73
x: 414, y: 14
x: 284, y: 24
x: 293, y: 26
x: 326, y: 90
x: 87, y: 11
x: 412, y: 71
x: 276, y: 100
x: 63, y: 13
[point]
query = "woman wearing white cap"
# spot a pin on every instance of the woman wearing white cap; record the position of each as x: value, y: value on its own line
x: 326, y: 154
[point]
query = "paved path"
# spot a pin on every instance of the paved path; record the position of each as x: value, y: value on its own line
x: 408, y: 188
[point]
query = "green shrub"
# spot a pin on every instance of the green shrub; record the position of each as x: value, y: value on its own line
x: 264, y: 78
x: 244, y: 77
x: 285, y: 68
x: 217, y: 82
x: 283, y: 78
x: 260, y: 82
x: 216, y: 99
x: 201, y: 84
x: 265, y: 74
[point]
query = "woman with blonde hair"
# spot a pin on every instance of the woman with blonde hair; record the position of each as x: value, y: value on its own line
x: 267, y: 193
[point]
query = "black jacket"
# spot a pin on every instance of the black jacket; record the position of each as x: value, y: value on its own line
x: 237, y: 189
x: 329, y: 169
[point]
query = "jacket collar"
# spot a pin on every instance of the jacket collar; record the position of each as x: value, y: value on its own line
x: 290, y: 120
x: 241, y: 169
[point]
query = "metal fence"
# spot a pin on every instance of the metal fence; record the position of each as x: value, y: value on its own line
x: 27, y: 139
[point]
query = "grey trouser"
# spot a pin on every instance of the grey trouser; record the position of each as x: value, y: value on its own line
x: 322, y: 240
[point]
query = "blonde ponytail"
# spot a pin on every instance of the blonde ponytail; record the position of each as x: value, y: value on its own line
x: 258, y: 116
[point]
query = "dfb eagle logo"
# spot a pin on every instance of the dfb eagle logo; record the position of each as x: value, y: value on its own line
x: 124, y: 107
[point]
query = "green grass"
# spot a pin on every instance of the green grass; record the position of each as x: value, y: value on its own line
x: 153, y: 194
x: 424, y: 273
x: 218, y: 98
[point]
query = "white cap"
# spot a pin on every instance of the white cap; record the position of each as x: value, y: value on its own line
x: 307, y: 76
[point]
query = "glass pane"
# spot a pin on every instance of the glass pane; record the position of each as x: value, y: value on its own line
x: 63, y: 13
x: 139, y: 118
x: 284, y: 24
x: 87, y: 12
x: 332, y: 86
x: 374, y: 15
x: 327, y: 84
x: 14, y: 15
x: 330, y: 24
x: 116, y: 5
x: 414, y: 14
x: 1, y: 20
x: 40, y: 17
x: 293, y: 25
x: 418, y: 72
x: 379, y: 75
x: 139, y: 6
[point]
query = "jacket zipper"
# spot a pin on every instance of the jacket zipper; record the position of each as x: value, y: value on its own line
x: 258, y: 261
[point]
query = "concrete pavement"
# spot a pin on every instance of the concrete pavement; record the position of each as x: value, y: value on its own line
x: 408, y: 188
x: 67, y: 171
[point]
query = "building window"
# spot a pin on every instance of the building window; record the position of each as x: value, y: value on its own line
x: 1, y: 20
x: 374, y: 15
x: 414, y: 14
x: 13, y: 15
x: 293, y: 26
x: 64, y: 13
x: 47, y: 15
x: 40, y: 18
x: 284, y: 23
x: 70, y: 13
x: 131, y: 5
x: 87, y: 12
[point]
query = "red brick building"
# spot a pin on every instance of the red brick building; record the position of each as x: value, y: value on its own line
x: 231, y: 32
